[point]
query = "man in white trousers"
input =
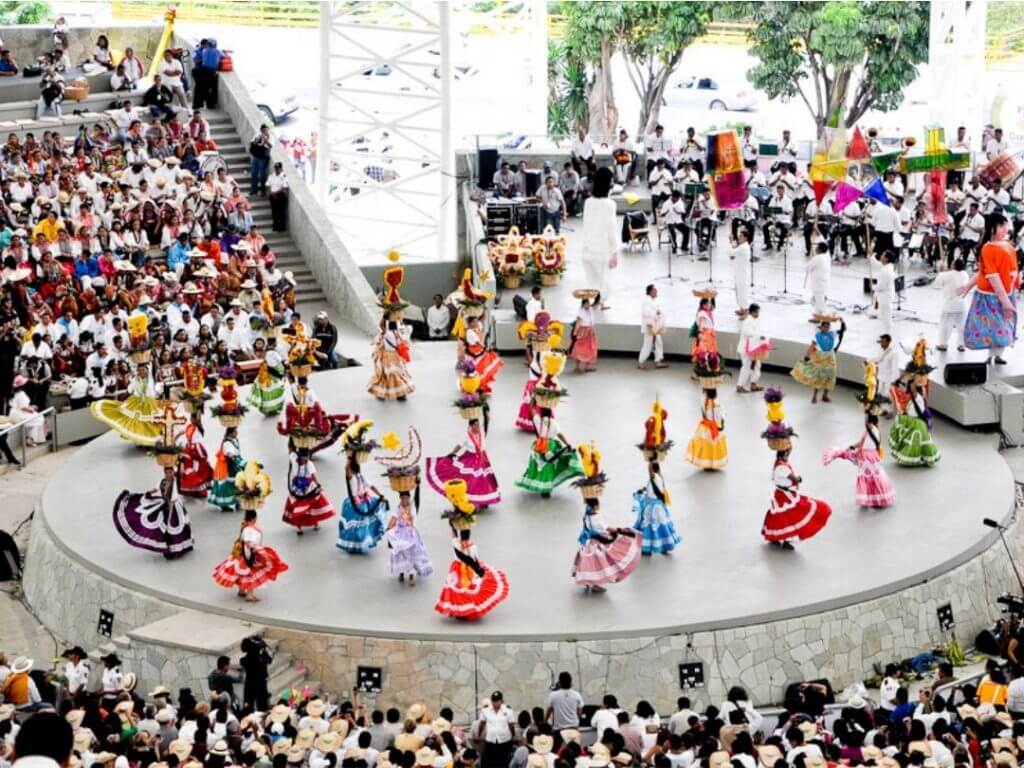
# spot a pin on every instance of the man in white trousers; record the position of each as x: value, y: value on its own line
x: 818, y: 276
x: 888, y: 367
x: 653, y: 324
x: 750, y: 338
x: 954, y: 308
x: 885, y: 288
x: 740, y: 255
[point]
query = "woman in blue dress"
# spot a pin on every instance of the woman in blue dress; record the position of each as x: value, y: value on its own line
x: 362, y: 515
x: 653, y: 518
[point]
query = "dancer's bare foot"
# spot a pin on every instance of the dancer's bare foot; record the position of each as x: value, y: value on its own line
x: 661, y: 365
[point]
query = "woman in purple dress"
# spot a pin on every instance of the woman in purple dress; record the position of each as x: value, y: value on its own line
x: 469, y: 462
x: 156, y: 520
x: 409, y: 557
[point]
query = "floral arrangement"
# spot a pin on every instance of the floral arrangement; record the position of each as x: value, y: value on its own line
x: 707, y: 369
x: 138, y: 338
x: 918, y: 364
x: 462, y: 515
x: 873, y: 400
x: 549, y: 256
x: 591, y: 485
x: 356, y: 440
x: 471, y: 298
x: 252, y: 485
x: 229, y: 410
x: 304, y: 423
x: 778, y: 433
x: 391, y: 300
x: 656, y: 443
x: 301, y: 352
x: 402, y: 467
x: 471, y: 400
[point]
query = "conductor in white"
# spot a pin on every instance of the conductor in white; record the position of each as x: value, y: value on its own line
x: 819, y: 275
x: 653, y: 323
x: 885, y: 288
x: 600, y: 237
x: 740, y: 255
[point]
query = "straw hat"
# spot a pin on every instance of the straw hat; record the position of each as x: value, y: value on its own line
x: 172, y: 160
x: 820, y: 317
x: 153, y: 163
x: 165, y: 716
x: 220, y: 749
x: 967, y: 712
x: 123, y: 265
x: 22, y: 663
x: 280, y: 714
x: 75, y: 718
x: 83, y: 740
x: 599, y: 756
x: 296, y: 755
x: 206, y: 196
x: 63, y: 197
x: 719, y: 759
x: 328, y: 742
x: 6, y: 712
x: 416, y: 712
x: 570, y: 735
x: 305, y: 738
x: 425, y: 756
x: 129, y: 681
x: 815, y: 760
x: 871, y: 752
x: 355, y: 753
x: 768, y: 755
x: 258, y: 747
x: 180, y: 749
x: 125, y: 707
x: 316, y: 707
x: 543, y: 744
x: 248, y: 284
x: 103, y: 757
x: 280, y: 747
x: 705, y: 293
x: 1005, y: 718
x: 536, y: 761
x: 191, y: 288
x: 1000, y: 758
x: 809, y: 730
x: 340, y: 726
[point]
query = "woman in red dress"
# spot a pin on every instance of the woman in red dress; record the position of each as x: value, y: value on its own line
x: 472, y: 588
x: 251, y: 565
x: 307, y: 505
x: 196, y: 472
x: 791, y: 514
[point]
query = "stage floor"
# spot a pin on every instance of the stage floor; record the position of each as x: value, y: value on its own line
x: 783, y: 315
x: 722, y: 575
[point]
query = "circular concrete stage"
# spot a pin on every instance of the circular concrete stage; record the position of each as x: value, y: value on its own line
x: 723, y: 575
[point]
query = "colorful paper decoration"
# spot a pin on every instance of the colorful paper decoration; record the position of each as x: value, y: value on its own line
x: 821, y: 189
x: 936, y: 156
x: 858, y: 147
x: 876, y: 191
x: 729, y: 190
x: 883, y: 160
x: 845, y: 194
x: 725, y: 170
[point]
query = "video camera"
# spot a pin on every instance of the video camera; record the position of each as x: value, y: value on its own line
x: 1011, y: 604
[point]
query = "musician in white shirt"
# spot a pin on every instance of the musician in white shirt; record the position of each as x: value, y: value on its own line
x: 953, y: 311
x: 673, y: 215
x: 884, y: 223
x: 749, y: 148
x: 995, y: 145
x: 659, y: 181
x: 851, y: 227
x: 893, y: 186
x: 693, y: 151
x: 971, y: 229
x: 624, y: 155
x: 685, y: 174
x: 815, y: 217
x: 998, y: 198
x: 783, y: 178
x: 701, y: 215
x: 659, y: 147
x: 746, y: 217
x: 961, y: 144
x: 779, y: 220
x: 787, y: 150
x: 653, y: 323
x: 582, y: 152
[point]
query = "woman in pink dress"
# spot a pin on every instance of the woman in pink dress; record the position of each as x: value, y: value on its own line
x: 874, y: 488
x: 527, y: 407
x: 584, y: 339
x: 469, y: 462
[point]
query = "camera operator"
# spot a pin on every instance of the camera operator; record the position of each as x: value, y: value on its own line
x: 255, y: 661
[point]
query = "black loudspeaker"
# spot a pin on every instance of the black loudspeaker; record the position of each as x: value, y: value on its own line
x: 532, y: 183
x: 487, y: 166
x: 965, y: 374
x: 527, y: 218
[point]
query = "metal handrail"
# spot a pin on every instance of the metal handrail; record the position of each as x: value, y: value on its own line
x: 941, y: 690
x: 43, y: 414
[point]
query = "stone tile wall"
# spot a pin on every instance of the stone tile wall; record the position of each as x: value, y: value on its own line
x: 27, y: 43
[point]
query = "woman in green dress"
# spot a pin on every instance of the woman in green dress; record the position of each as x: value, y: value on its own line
x: 267, y: 392
x: 553, y: 460
x: 910, y: 438
x: 223, y: 493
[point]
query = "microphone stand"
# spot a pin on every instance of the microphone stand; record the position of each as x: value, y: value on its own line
x: 1016, y: 571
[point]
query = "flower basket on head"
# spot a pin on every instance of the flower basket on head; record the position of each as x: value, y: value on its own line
x: 656, y: 452
x: 548, y: 398
x: 301, y: 369
x: 707, y: 369
x: 470, y: 405
x: 548, y: 279
x: 229, y: 416
x: 250, y: 502
x: 305, y: 439
x: 167, y: 458
x: 403, y: 479
x: 356, y: 442
x: 141, y: 356
x: 402, y: 462
x: 462, y: 515
x: 592, y: 483
x: 778, y: 434
x: 252, y: 486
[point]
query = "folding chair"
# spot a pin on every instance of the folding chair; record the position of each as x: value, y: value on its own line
x: 639, y: 234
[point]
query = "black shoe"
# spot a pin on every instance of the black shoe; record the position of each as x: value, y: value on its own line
x: 999, y: 361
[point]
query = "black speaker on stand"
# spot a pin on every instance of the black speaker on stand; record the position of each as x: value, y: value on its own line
x: 965, y: 374
x: 487, y: 166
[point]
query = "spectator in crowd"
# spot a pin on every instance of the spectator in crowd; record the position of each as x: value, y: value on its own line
x: 172, y: 71
x: 565, y: 705
x: 101, y: 53
x: 159, y: 99
x: 52, y: 88
x: 8, y: 66
x: 326, y: 333
x: 552, y: 204
x: 277, y: 192
x: 259, y: 154
x: 44, y: 741
x: 571, y: 187
x: 505, y: 182
x: 121, y: 81
x: 133, y: 66
x: 439, y: 319
x: 205, y: 74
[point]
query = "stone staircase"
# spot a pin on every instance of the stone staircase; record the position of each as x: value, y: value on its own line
x: 235, y: 151
x: 180, y: 651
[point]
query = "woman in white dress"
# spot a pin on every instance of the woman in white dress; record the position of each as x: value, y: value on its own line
x: 600, y: 237
x: 22, y: 410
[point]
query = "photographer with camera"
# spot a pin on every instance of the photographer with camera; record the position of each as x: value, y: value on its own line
x: 256, y: 663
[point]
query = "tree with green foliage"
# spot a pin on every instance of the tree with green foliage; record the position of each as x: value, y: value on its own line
x: 568, y: 109
x: 32, y: 12
x: 651, y: 37
x: 840, y: 58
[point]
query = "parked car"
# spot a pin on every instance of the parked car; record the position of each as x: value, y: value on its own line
x: 275, y: 106
x: 701, y: 92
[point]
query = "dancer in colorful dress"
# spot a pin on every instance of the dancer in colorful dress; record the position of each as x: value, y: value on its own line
x: 467, y: 461
x: 194, y: 468
x: 156, y: 520
x: 818, y: 368
x: 708, y: 448
x: 584, y: 338
x: 391, y: 379
x: 251, y: 565
x: 702, y: 333
x: 910, y: 438
x: 409, y: 557
x: 653, y: 518
x: 791, y: 514
x: 229, y: 462
x: 307, y: 505
x: 472, y: 588
x: 486, y: 361
x: 361, y: 526
x: 133, y: 417
x: 606, y: 555
x: 541, y: 334
x: 992, y: 319
x: 267, y: 392
x: 874, y: 488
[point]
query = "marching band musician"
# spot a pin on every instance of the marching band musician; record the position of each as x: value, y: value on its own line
x: 673, y: 216
x: 787, y: 150
x: 685, y: 174
x: 701, y: 217
x: 746, y: 217
x: 659, y: 147
x: 659, y: 181
x: 693, y: 151
x: 818, y: 217
x: 955, y: 206
x: 893, y: 186
x: 851, y: 226
x: 625, y: 158
x: 780, y: 217
x: 749, y: 149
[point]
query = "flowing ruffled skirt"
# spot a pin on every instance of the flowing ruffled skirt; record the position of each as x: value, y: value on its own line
x: 144, y: 521
x: 705, y: 451
x: 819, y: 372
x: 547, y: 471
x: 130, y: 418
x: 584, y: 346
x: 236, y: 573
x: 196, y: 472
x: 408, y: 555
x: 654, y: 522
x: 474, y: 600
x: 598, y: 563
x: 487, y: 368
x: 524, y: 418
x: 267, y: 400
x: 361, y: 528
x: 986, y: 326
x: 391, y: 379
x: 794, y: 516
x: 309, y: 510
x: 475, y: 468
x: 874, y: 488
x: 911, y: 443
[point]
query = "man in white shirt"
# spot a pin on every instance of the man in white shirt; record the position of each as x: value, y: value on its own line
x: 438, y: 318
x: 624, y: 155
x: 570, y: 185
x: 582, y: 152
x: 535, y: 304
x: 659, y: 181
x: 851, y: 227
x: 740, y: 255
x: 277, y: 194
x: 818, y: 275
x: 962, y: 143
x: 701, y: 216
x: 884, y: 223
x: 659, y: 147
x: 888, y: 366
x: 971, y: 229
x: 653, y: 324
x: 954, y: 307
x: 170, y: 73
x: 552, y: 204
x: 672, y: 214
x: 607, y: 717
x: 787, y: 149
x: 76, y: 670
x: 888, y: 689
x: 780, y: 218
x: 496, y: 728
x: 693, y: 151
x: 506, y: 183
x: 750, y: 337
x: 679, y: 723
x: 998, y: 198
x: 749, y: 148
x: 995, y: 145
x: 685, y: 175
x: 816, y: 216
x: 893, y: 186
x: 885, y: 287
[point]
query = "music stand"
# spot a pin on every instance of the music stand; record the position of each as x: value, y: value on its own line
x: 670, y: 278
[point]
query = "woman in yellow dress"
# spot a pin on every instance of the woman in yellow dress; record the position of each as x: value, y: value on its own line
x: 133, y: 418
x: 708, y: 448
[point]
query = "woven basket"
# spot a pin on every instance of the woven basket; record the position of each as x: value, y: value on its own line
x: 249, y: 503
x: 461, y: 524
x: 472, y: 412
x: 77, y: 92
x: 228, y: 420
x: 512, y: 280
x: 546, y: 399
x: 550, y: 278
x: 921, y: 379
x: 396, y: 315
x: 301, y: 369
x: 761, y: 356
x: 305, y: 441
x: 780, y: 443
x: 709, y: 382
x: 655, y: 454
x: 167, y: 459
x: 473, y: 310
x: 402, y: 483
x: 591, y: 491
x: 361, y: 456
x: 141, y: 357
